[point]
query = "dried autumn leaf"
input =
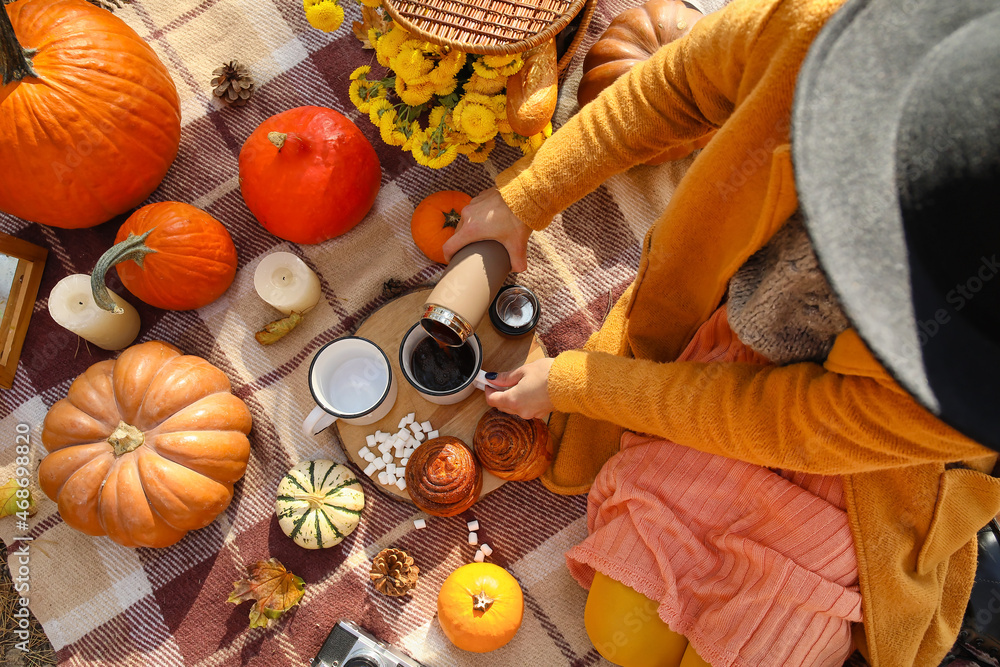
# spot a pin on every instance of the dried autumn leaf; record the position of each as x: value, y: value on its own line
x: 278, y: 329
x: 274, y: 589
x: 370, y: 18
x: 9, y: 500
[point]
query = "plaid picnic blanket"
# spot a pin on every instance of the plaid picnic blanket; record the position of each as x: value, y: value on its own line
x: 101, y: 603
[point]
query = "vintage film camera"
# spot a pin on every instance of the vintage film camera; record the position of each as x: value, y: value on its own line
x: 348, y: 645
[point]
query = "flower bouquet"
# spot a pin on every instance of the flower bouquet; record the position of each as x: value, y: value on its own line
x: 433, y: 101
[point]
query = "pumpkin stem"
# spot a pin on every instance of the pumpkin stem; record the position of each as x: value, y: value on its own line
x: 125, y: 439
x: 277, y: 138
x: 481, y: 602
x: 15, y: 60
x: 133, y: 248
x: 315, y: 501
x: 451, y: 219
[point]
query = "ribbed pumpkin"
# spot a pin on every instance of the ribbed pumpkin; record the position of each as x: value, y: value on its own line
x: 480, y: 607
x: 146, y: 447
x: 434, y: 221
x: 319, y: 503
x: 171, y: 255
x: 89, y: 117
x: 633, y: 37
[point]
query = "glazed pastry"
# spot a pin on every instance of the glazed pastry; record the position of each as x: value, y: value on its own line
x: 512, y: 448
x: 443, y: 477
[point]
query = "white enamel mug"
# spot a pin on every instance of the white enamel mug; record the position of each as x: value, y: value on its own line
x: 475, y: 381
x: 350, y: 379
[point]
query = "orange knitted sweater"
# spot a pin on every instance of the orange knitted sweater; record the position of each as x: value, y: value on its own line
x: 913, y: 520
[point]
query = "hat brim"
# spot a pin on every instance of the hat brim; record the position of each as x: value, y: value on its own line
x: 848, y: 102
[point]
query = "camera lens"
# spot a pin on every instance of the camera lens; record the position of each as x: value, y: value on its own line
x: 362, y: 661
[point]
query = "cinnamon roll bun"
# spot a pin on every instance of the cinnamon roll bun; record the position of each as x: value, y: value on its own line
x: 443, y: 477
x: 512, y: 448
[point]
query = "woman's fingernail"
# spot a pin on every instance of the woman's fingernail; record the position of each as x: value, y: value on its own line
x: 491, y: 376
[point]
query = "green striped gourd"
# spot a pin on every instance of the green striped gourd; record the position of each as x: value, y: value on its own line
x: 319, y: 503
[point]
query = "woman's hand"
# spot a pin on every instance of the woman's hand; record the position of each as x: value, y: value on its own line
x: 487, y: 217
x: 528, y: 396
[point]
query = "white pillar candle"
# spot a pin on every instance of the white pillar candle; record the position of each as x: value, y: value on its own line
x: 72, y: 305
x: 285, y: 282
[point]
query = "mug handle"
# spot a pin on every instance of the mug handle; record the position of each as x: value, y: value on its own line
x: 318, y: 420
x: 481, y: 383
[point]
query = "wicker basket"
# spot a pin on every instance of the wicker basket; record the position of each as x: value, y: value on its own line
x: 490, y: 27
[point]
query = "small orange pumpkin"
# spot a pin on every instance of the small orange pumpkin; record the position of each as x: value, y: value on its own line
x: 634, y: 36
x: 146, y: 447
x: 480, y: 607
x: 171, y: 255
x: 434, y: 221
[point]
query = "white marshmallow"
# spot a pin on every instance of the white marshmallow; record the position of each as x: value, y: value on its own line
x: 370, y: 456
x: 473, y: 539
x: 479, y: 557
x: 370, y: 469
x: 382, y: 477
x: 419, y: 524
x: 402, y: 423
x: 403, y: 461
x: 390, y: 468
x: 426, y: 427
x: 370, y: 439
x: 390, y: 480
x: 421, y: 437
x: 432, y: 435
x: 473, y: 525
x: 379, y: 464
x: 401, y: 483
x: 387, y: 457
x: 486, y: 549
x: 410, y: 417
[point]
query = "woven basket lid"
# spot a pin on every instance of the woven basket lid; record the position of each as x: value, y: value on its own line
x: 487, y: 27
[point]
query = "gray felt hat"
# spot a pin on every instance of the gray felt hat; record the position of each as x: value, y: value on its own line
x: 896, y: 146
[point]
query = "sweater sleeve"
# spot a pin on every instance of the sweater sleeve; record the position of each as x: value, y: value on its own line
x: 687, y: 89
x: 799, y: 417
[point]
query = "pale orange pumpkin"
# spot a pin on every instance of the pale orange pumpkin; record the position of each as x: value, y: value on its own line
x: 480, y: 607
x: 633, y: 37
x: 146, y: 447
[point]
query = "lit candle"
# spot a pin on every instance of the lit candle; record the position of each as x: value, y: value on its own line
x: 285, y: 282
x: 72, y: 305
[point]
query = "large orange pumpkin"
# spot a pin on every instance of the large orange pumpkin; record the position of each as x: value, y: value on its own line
x: 309, y: 174
x: 634, y: 36
x: 480, y: 607
x: 146, y: 447
x: 89, y: 117
x: 171, y: 255
x: 434, y: 221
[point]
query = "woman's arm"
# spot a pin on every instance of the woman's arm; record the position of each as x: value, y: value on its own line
x: 687, y: 89
x: 797, y: 417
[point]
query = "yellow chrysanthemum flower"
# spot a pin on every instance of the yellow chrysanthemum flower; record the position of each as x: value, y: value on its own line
x: 533, y: 143
x: 325, y: 15
x: 496, y: 62
x: 388, y: 127
x: 378, y: 107
x: 479, y: 123
x: 443, y: 158
x: 479, y: 84
x: 411, y: 64
x: 355, y: 93
x: 512, y: 139
x: 513, y: 68
x: 371, y: 3
x: 499, y: 104
x: 482, y: 70
x: 414, y: 95
x: 437, y: 115
x: 415, y: 134
x: 388, y: 45
x: 445, y: 89
x: 361, y: 72
x: 482, y: 153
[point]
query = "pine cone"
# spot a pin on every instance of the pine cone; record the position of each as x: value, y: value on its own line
x: 394, y: 573
x: 233, y: 83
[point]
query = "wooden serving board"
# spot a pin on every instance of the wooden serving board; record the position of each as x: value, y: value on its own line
x: 386, y: 328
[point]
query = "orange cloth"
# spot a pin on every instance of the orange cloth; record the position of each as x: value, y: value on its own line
x: 753, y: 567
x: 913, y: 521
